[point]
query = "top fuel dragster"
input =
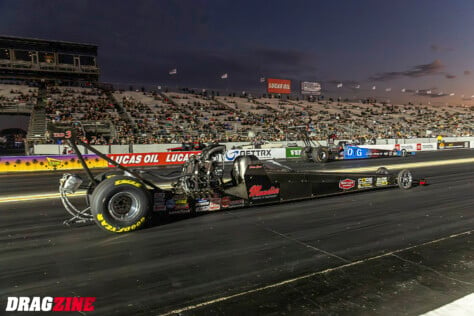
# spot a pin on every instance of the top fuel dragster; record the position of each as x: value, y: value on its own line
x: 122, y: 201
x: 314, y: 151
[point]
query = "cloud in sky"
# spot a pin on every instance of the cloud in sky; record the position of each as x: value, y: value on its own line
x: 438, y: 48
x: 432, y: 68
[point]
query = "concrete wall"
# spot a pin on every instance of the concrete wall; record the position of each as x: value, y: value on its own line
x: 124, y: 149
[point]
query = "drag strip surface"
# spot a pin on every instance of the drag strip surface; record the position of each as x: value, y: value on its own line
x: 179, y: 264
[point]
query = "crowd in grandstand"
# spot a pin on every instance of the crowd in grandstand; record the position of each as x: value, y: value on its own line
x: 140, y: 117
x: 176, y: 117
x: 13, y: 96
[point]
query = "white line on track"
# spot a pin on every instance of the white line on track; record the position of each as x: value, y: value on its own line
x: 306, y: 276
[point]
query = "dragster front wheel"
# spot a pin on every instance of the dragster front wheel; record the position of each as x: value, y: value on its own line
x: 306, y: 154
x: 120, y: 204
x: 405, y: 179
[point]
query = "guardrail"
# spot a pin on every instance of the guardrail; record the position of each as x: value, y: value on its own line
x: 50, y: 149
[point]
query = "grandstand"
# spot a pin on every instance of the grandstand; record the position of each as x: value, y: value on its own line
x: 131, y: 117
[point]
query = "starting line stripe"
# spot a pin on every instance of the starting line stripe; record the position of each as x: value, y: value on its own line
x: 41, y: 196
x: 48, y: 196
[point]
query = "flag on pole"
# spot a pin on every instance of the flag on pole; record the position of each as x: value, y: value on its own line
x: 388, y: 89
x: 403, y: 90
x: 373, y: 87
x: 262, y: 79
x: 339, y: 85
x: 173, y: 71
x: 224, y: 76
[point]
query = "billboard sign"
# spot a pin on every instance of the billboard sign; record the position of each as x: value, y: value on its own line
x: 282, y: 86
x: 152, y: 159
x: 312, y: 88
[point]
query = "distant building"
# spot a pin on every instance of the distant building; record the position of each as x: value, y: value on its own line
x: 36, y: 59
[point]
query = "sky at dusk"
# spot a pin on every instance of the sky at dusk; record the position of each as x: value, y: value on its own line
x: 415, y: 45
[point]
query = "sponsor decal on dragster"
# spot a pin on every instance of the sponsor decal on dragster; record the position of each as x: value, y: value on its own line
x: 170, y: 204
x: 225, y: 201
x: 202, y: 205
x: 50, y: 304
x: 159, y: 207
x: 256, y: 192
x: 181, y: 204
x: 354, y: 152
x: 214, y: 204
x: 159, y: 199
x: 346, y: 184
x: 364, y: 183
x: 236, y: 203
x: 382, y: 181
x: 159, y: 196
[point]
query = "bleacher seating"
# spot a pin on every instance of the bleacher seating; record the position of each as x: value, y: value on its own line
x: 145, y: 117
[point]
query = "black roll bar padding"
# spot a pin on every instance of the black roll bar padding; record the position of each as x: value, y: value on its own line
x: 112, y: 162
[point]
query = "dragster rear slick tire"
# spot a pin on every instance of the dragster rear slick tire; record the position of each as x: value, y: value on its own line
x: 120, y: 204
x: 320, y: 155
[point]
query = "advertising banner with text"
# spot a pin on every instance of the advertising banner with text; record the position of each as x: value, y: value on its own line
x: 311, y: 88
x: 281, y: 86
x: 152, y: 159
